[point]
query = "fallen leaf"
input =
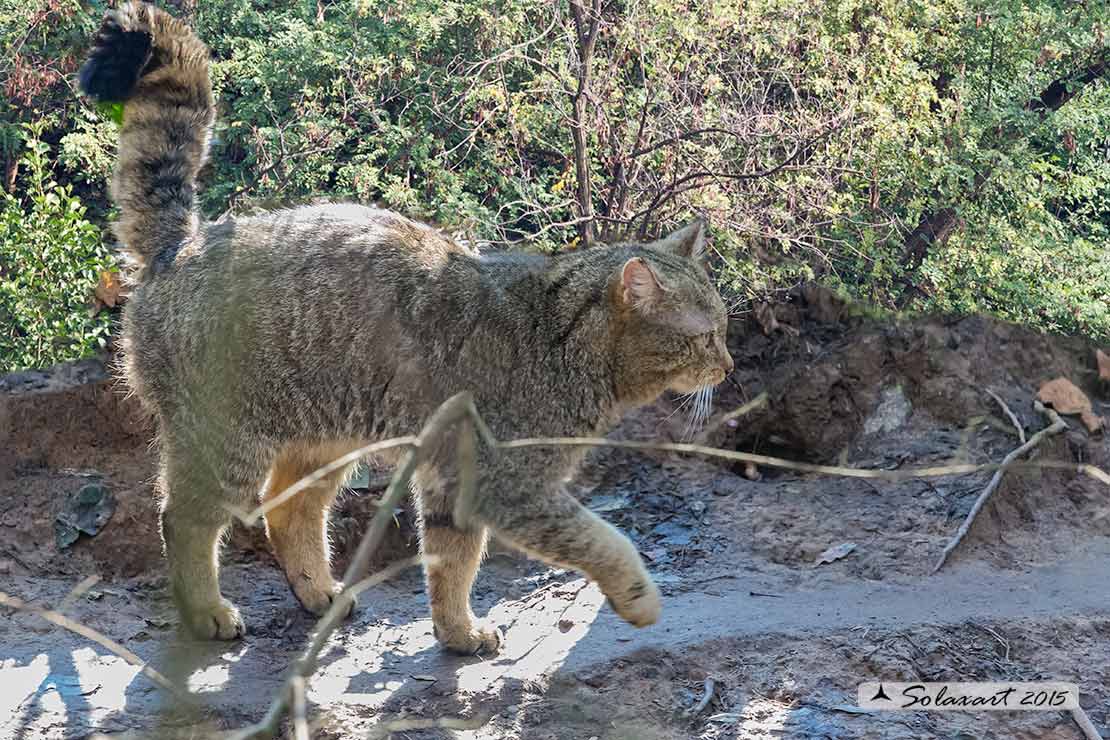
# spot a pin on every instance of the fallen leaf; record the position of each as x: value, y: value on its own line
x: 83, y: 512
x: 836, y: 553
x: 109, y: 288
x: 1103, y: 364
x: 1062, y: 395
x: 424, y: 677
x: 566, y: 625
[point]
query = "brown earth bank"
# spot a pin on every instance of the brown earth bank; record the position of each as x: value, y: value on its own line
x: 784, y: 640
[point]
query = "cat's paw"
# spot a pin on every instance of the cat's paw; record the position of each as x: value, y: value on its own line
x: 476, y: 639
x: 318, y: 597
x: 637, y: 603
x: 218, y: 622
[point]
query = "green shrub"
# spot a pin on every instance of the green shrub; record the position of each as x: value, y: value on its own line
x: 51, y: 257
x: 867, y: 118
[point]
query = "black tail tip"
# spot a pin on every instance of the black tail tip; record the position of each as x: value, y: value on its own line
x: 117, y: 61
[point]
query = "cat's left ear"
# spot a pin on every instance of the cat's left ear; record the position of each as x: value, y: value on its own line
x: 689, y: 241
x: 641, y: 287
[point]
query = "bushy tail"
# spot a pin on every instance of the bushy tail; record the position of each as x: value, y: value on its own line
x: 152, y: 62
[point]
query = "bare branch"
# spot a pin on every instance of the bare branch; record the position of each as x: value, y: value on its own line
x: 586, y: 26
x: 456, y: 408
x: 1006, y: 409
x: 252, y: 517
x: 1058, y: 425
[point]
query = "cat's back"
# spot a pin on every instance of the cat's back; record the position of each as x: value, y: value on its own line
x: 293, y: 282
x: 311, y: 255
x: 328, y: 232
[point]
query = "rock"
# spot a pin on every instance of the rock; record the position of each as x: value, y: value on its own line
x: 835, y: 553
x: 892, y: 412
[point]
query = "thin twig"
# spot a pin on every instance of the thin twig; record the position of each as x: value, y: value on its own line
x: 77, y: 592
x: 1058, y: 425
x: 935, y: 471
x: 317, y: 475
x: 1001, y: 640
x: 306, y: 665
x: 101, y: 639
x: 707, y: 696
x: 1013, y: 418
x: 1085, y: 724
x: 714, y: 424
x: 445, y: 417
x: 466, y: 456
x: 385, y: 729
x: 300, y: 720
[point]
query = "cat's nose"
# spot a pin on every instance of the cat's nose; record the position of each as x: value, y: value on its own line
x: 729, y: 365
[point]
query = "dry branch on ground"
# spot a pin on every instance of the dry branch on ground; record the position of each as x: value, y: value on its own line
x: 1056, y: 426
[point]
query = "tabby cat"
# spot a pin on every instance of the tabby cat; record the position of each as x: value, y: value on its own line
x: 268, y: 346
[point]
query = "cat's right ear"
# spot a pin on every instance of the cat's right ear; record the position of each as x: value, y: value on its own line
x: 641, y: 287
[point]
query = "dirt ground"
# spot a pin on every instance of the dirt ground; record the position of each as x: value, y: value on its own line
x: 782, y: 641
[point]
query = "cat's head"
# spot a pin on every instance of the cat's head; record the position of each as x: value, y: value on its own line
x: 672, y: 319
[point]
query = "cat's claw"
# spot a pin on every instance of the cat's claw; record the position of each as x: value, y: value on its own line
x: 319, y: 599
x: 220, y: 622
x: 640, y: 605
x: 479, y: 639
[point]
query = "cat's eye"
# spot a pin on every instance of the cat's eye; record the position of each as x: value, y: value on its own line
x: 707, y: 340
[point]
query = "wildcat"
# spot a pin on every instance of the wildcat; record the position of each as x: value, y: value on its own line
x: 266, y: 347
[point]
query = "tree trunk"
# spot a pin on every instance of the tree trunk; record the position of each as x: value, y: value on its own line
x: 936, y: 226
x: 586, y: 32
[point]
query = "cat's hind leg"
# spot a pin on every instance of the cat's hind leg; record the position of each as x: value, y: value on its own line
x: 194, y: 518
x: 298, y: 529
x: 454, y: 554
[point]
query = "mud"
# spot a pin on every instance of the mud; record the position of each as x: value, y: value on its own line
x: 784, y: 641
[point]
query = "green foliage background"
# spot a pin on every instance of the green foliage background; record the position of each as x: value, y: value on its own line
x: 877, y: 114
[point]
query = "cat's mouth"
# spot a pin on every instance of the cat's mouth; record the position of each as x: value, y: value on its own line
x: 695, y: 382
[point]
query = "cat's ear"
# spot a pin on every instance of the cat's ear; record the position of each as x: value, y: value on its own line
x: 689, y: 241
x: 640, y: 285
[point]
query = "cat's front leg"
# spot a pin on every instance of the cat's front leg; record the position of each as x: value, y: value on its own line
x: 552, y: 526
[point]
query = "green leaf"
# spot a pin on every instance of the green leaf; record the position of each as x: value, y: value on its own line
x: 111, y: 111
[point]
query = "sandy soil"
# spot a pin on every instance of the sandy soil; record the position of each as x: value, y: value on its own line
x: 783, y: 641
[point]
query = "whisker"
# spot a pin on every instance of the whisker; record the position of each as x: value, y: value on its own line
x: 686, y: 398
x: 699, y: 414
